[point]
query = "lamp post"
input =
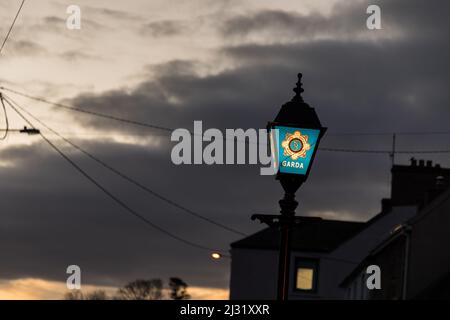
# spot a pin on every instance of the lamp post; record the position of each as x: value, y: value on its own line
x: 295, y: 135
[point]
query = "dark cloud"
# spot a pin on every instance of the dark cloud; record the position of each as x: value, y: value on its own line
x: 347, y: 22
x: 275, y: 23
x: 356, y: 85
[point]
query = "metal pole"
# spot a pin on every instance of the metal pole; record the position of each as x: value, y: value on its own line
x: 284, y: 261
x: 288, y: 206
x: 393, y: 149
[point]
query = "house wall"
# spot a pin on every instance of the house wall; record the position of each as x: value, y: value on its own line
x: 391, y: 261
x: 357, y: 288
x: 430, y: 247
x: 253, y: 274
x: 359, y: 247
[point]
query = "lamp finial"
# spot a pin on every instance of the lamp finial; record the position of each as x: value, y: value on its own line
x: 299, y: 89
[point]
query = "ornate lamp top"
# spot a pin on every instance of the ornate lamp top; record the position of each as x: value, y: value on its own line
x: 298, y: 89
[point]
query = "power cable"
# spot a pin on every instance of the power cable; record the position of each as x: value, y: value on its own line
x: 129, y: 179
x: 5, y: 135
x: 400, y: 133
x: 153, y: 126
x: 112, y: 196
x: 385, y: 151
x: 106, y: 116
x: 12, y: 26
x: 98, y: 114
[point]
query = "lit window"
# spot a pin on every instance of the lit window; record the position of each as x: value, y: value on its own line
x: 306, y: 275
x: 305, y: 278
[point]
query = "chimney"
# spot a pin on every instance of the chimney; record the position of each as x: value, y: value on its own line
x: 410, y: 183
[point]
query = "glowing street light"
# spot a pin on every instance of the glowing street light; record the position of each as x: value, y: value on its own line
x: 295, y: 135
x: 216, y: 256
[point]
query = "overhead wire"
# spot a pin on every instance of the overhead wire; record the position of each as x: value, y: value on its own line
x: 113, y: 197
x: 400, y: 133
x: 98, y: 114
x: 167, y: 129
x: 442, y: 151
x: 5, y: 134
x: 164, y: 128
x: 12, y: 26
x: 128, y: 178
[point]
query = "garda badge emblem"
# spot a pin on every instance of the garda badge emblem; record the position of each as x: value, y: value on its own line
x: 295, y: 145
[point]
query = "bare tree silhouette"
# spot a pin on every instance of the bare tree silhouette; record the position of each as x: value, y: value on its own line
x: 74, y: 295
x: 137, y: 290
x: 97, y: 295
x: 178, y: 289
x: 141, y: 290
x: 79, y: 295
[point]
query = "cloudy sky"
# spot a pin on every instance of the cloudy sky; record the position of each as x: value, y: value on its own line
x: 231, y: 64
